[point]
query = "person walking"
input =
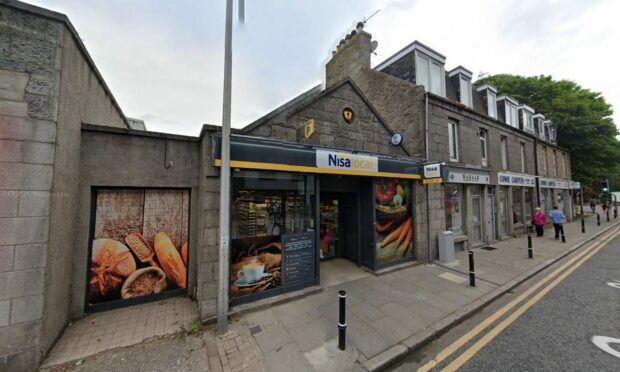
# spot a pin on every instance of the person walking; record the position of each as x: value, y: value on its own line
x: 557, y: 217
x: 539, y: 218
x: 593, y: 204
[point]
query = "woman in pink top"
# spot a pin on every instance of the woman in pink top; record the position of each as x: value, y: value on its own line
x: 540, y: 220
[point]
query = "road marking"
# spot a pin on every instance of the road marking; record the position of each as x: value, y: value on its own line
x: 603, y: 343
x: 445, y: 353
x: 614, y: 284
x: 469, y: 353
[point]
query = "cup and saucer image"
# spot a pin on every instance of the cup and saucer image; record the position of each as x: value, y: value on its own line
x: 251, y: 275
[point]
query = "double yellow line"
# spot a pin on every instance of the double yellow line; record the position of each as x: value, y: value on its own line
x: 576, y: 261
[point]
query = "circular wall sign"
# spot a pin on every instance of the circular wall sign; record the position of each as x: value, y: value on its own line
x: 396, y: 139
x: 348, y: 115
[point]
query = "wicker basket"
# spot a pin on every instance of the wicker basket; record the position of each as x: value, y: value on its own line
x: 385, y: 213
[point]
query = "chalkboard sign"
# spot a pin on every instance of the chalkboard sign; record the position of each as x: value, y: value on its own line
x: 298, y: 259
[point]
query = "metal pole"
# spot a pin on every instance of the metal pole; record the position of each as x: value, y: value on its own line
x: 607, y: 213
x: 342, y: 320
x: 222, y: 294
x: 562, y: 231
x: 598, y: 219
x: 530, y: 253
x: 472, y: 273
x: 583, y: 225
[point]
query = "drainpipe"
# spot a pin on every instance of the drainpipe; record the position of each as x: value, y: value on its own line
x: 429, y: 242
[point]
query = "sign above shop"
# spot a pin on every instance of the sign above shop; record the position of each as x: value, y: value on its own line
x: 309, y: 128
x: 432, y: 171
x: 512, y: 179
x: 467, y: 176
x: 549, y: 183
x: 396, y: 139
x: 346, y: 161
x: 348, y: 115
x: 574, y: 185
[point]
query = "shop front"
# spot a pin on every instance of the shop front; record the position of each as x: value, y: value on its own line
x: 556, y: 193
x: 521, y: 188
x: 300, y: 206
x: 576, y: 198
x: 466, y: 196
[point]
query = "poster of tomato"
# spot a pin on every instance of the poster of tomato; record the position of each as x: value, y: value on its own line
x: 140, y: 243
x: 394, y: 222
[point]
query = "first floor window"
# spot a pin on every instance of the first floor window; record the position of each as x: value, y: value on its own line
x: 504, y: 152
x: 453, y: 141
x: 483, y: 146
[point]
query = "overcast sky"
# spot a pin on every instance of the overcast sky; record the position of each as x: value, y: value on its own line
x: 163, y: 60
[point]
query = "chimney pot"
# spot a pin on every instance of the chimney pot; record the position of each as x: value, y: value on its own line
x: 353, y: 33
x: 360, y: 26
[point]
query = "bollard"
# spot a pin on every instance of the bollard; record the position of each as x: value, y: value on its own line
x: 607, y: 215
x: 583, y: 225
x: 616, y: 212
x: 563, y: 237
x: 472, y: 273
x: 530, y: 253
x: 342, y: 321
x: 598, y: 219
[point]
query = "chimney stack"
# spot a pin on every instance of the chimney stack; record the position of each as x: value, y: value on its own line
x: 352, y: 54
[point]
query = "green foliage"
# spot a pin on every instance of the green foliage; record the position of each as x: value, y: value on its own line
x: 194, y: 327
x: 583, y: 118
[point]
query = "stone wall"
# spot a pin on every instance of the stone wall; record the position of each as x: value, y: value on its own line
x: 38, y: 160
x: 365, y: 133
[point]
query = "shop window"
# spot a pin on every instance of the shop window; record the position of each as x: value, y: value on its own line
x: 476, y: 214
x: 454, y: 208
x: 517, y: 212
x: 528, y: 205
x: 272, y: 225
x: 394, y: 221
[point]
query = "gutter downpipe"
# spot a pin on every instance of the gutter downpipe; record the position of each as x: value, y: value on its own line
x: 426, y: 187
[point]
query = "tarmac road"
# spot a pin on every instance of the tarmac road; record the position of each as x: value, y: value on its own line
x: 556, y: 333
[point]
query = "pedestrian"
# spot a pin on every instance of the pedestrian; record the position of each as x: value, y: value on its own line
x: 593, y: 204
x: 557, y: 217
x: 539, y: 219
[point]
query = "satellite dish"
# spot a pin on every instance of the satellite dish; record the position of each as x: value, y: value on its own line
x: 373, y: 45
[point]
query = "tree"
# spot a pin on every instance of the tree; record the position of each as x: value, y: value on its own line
x: 583, y: 119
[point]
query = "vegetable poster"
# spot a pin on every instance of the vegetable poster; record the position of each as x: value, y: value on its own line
x: 394, y: 223
x: 140, y: 244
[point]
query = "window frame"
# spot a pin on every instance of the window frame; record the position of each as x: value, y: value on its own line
x: 491, y: 108
x: 463, y: 80
x: 429, y: 60
x: 503, y: 148
x: 523, y: 167
x: 453, y: 140
x: 484, y: 149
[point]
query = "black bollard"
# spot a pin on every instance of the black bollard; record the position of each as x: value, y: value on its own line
x: 472, y: 273
x: 616, y: 212
x: 530, y: 253
x: 342, y: 321
x: 563, y: 237
x: 583, y: 225
x: 598, y: 219
x: 607, y: 215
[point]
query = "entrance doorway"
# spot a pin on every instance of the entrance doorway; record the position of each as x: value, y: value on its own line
x: 490, y: 209
x: 339, y: 233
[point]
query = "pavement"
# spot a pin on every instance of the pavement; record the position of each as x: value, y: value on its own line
x: 388, y: 316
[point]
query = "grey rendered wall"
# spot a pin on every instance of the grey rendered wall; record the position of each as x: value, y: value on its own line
x: 82, y: 98
x: 129, y: 158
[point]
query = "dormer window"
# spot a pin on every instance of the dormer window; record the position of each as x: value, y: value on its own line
x: 489, y: 97
x: 507, y: 107
x: 552, y: 133
x: 525, y: 118
x: 546, y: 125
x: 539, y: 119
x: 461, y: 78
x: 429, y: 73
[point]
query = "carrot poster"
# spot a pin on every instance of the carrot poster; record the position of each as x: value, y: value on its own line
x: 394, y: 222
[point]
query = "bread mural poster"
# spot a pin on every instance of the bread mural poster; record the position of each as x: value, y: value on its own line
x: 140, y: 243
x: 394, y: 221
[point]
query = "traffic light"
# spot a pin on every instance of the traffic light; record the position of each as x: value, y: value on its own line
x: 605, y: 186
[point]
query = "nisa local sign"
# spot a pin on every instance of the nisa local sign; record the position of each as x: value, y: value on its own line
x: 346, y: 161
x: 510, y: 179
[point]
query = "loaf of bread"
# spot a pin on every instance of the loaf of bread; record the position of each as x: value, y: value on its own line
x: 170, y: 259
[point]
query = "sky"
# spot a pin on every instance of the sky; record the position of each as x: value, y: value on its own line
x: 164, y: 60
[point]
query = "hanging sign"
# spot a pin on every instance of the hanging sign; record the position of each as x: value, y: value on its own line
x: 432, y: 171
x: 396, y: 139
x: 346, y: 161
x: 513, y: 179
